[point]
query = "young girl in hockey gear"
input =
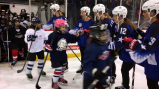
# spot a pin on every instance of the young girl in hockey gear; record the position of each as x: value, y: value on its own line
x: 58, y: 50
x: 97, y: 57
x: 37, y: 47
x: 146, y: 52
x: 55, y: 9
x: 99, y: 12
x: 125, y: 30
x: 83, y: 24
x: 16, y: 35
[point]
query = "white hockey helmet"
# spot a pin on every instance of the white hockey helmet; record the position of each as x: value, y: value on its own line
x: 99, y: 8
x: 120, y: 10
x: 86, y: 10
x: 146, y: 5
x: 55, y: 7
x: 154, y: 6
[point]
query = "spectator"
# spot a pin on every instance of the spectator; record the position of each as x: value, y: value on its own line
x: 127, y: 4
x: 72, y: 13
x: 112, y: 4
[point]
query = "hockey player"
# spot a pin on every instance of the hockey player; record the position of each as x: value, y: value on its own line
x: 23, y: 14
x: 16, y: 35
x: 125, y: 30
x: 146, y: 51
x: 55, y: 9
x: 99, y: 12
x: 37, y: 47
x: 83, y: 24
x: 58, y: 50
x: 97, y: 57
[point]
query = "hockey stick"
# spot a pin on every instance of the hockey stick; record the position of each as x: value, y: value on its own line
x: 77, y: 58
x: 91, y: 86
x: 19, y: 71
x: 133, y: 76
x: 8, y: 50
x: 75, y: 54
x: 37, y: 86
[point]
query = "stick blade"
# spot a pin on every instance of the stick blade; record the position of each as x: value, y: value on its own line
x: 19, y: 71
x: 37, y: 86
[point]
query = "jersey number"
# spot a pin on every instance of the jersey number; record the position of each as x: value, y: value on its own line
x: 152, y: 41
x: 123, y: 31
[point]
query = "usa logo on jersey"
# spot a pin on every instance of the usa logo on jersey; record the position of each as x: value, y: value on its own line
x: 104, y: 56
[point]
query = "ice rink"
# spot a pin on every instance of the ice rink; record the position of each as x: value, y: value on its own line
x: 10, y: 79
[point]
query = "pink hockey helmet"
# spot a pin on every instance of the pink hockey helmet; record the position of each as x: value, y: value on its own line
x: 60, y: 22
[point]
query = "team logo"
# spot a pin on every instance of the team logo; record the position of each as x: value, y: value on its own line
x: 80, y: 24
x: 18, y: 30
x: 104, y: 55
x: 61, y: 44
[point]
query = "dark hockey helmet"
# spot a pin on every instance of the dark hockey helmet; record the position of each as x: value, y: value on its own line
x: 35, y: 21
x: 23, y: 10
x: 97, y: 31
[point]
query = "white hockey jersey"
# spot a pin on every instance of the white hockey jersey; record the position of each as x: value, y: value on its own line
x: 38, y: 44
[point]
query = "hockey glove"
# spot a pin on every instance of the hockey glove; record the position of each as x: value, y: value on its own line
x: 130, y: 43
x: 86, y: 33
x: 31, y: 37
x: 48, y: 48
x: 97, y: 74
x: 79, y: 33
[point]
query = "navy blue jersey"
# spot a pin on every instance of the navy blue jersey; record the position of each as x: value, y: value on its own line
x: 83, y: 25
x: 147, y: 52
x: 59, y: 45
x: 54, y: 18
x: 109, y: 23
x: 96, y: 56
x: 111, y: 26
x: 124, y: 31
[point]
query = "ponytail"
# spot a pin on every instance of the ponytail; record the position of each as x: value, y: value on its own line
x: 126, y: 20
x: 106, y: 14
x: 60, y: 13
x: 55, y: 29
x: 90, y: 16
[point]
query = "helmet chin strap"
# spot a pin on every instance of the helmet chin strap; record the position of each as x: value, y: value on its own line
x: 151, y: 17
x: 99, y: 16
x: 118, y: 21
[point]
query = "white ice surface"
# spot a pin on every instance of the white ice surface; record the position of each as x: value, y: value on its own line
x: 10, y: 79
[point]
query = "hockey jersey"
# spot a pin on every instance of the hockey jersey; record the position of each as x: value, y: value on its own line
x: 16, y: 35
x: 59, y: 45
x: 147, y: 52
x: 52, y: 20
x: 111, y: 26
x: 124, y: 31
x: 38, y: 44
x: 83, y: 25
x: 96, y: 56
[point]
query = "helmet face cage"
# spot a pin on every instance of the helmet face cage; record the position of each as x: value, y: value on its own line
x: 96, y: 32
x: 154, y: 6
x: 55, y: 7
x: 99, y: 8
